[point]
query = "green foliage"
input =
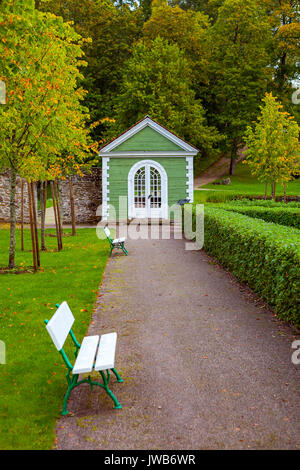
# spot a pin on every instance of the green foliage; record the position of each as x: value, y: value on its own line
x: 283, y: 48
x: 273, y: 149
x: 113, y: 31
x: 157, y: 81
x: 190, y: 31
x: 264, y: 255
x: 265, y: 203
x: 283, y: 214
x: 43, y: 116
x: 238, y: 68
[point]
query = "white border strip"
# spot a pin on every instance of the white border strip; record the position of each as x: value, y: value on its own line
x: 190, y: 178
x: 105, y: 190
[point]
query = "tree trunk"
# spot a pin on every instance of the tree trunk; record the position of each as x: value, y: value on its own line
x: 232, y: 165
x: 12, y: 243
x: 32, y: 227
x: 22, y: 215
x: 72, y: 206
x: 55, y: 216
x: 284, y: 192
x: 59, y: 202
x: 36, y: 237
x: 266, y: 190
x: 42, y: 201
x: 274, y: 191
x: 60, y: 231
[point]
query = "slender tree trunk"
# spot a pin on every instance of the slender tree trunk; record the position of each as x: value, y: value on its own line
x: 233, y: 156
x: 266, y: 190
x: 274, y: 191
x: 232, y: 165
x: 58, y: 214
x: 59, y: 203
x: 22, y: 214
x: 32, y: 227
x: 72, y: 206
x: 12, y: 243
x: 37, y: 249
x: 55, y: 216
x: 42, y: 201
x: 284, y: 192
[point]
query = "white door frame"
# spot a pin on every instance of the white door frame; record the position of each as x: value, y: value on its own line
x: 154, y: 213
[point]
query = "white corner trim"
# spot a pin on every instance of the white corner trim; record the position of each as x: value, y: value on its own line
x: 155, y: 126
x: 190, y: 178
x: 105, y: 190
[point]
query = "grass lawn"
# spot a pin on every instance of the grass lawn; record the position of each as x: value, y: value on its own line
x: 32, y: 382
x: 244, y: 183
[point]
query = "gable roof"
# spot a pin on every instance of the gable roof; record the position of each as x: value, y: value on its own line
x: 179, y: 147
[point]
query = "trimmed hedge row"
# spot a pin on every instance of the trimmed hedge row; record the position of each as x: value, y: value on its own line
x: 261, y: 254
x: 265, y: 203
x: 230, y: 195
x: 289, y: 216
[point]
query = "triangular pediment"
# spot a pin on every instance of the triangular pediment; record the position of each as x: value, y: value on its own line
x: 148, y: 136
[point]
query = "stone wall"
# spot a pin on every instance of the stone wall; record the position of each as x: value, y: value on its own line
x: 87, y: 197
x: 5, y: 195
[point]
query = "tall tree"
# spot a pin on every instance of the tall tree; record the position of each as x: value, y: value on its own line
x: 189, y: 31
x: 239, y: 69
x: 40, y: 59
x: 112, y: 30
x: 273, y: 149
x: 157, y: 81
x: 284, y: 47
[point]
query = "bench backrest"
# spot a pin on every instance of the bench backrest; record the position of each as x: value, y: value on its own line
x: 60, y: 324
x: 107, y: 232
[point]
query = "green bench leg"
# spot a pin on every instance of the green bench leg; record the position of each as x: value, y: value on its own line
x: 72, y: 384
x: 124, y: 250
x: 119, y: 379
x: 117, y: 406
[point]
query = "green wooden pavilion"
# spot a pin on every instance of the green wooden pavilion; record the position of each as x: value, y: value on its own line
x: 145, y: 171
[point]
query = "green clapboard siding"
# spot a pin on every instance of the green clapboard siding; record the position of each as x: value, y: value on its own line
x: 118, y: 179
x: 147, y: 140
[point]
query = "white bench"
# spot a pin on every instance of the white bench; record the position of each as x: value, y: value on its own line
x: 95, y: 353
x: 116, y: 243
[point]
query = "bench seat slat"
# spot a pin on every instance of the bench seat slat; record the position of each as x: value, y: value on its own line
x: 119, y: 240
x: 106, y: 352
x: 87, y: 352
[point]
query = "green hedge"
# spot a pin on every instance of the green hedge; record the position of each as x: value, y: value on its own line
x: 281, y: 215
x: 263, y: 255
x: 265, y: 203
x: 202, y: 196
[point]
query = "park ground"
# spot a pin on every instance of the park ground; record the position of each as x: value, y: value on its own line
x: 206, y: 364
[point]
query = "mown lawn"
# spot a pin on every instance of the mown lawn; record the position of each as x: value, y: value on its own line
x: 32, y: 382
x: 244, y: 183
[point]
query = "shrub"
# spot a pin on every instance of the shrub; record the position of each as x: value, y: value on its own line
x: 263, y: 255
x: 281, y: 215
x: 265, y: 203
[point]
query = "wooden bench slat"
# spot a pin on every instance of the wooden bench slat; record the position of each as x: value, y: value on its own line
x: 119, y: 240
x: 60, y: 324
x: 106, y: 352
x: 87, y: 352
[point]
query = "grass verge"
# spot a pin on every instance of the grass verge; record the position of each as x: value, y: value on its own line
x: 32, y: 382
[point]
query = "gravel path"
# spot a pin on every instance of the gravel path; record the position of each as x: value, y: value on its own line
x: 205, y: 364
